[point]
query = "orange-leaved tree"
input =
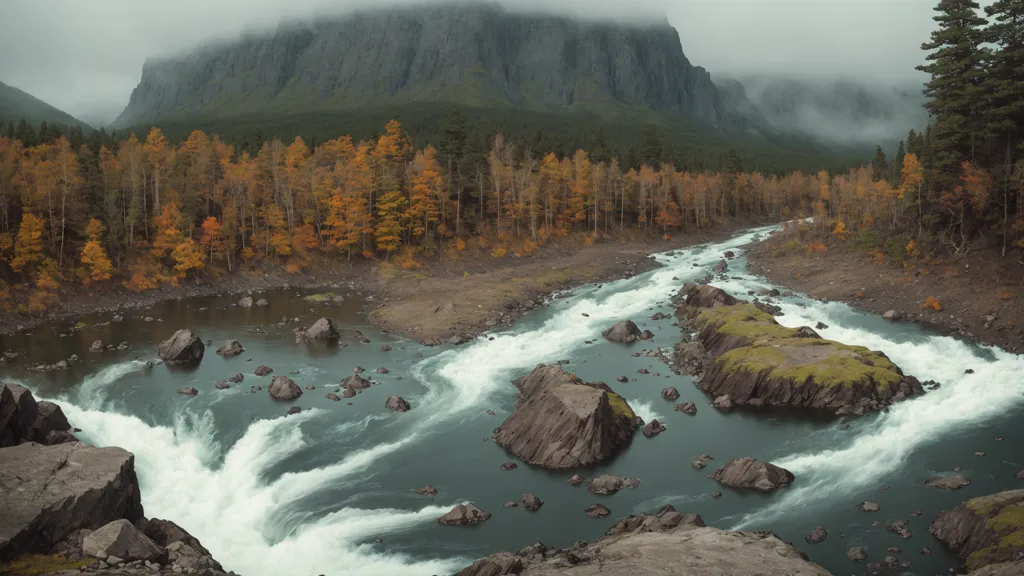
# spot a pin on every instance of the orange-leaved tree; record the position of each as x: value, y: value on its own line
x: 188, y: 257
x: 168, y: 231
x: 28, y: 247
x: 94, y: 257
x: 211, y: 241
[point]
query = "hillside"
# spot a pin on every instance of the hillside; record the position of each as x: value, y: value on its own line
x: 16, y: 104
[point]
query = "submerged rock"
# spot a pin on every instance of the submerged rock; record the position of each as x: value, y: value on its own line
x: 464, y: 515
x: 686, y: 408
x: 230, y: 348
x: 949, y: 482
x: 562, y: 422
x: 284, y: 388
x: 701, y: 461
x: 597, y: 511
x: 427, y: 490
x: 625, y: 331
x: 575, y: 480
x: 610, y: 484
x: 818, y: 535
x: 751, y: 473
x: 188, y: 391
x: 332, y: 396
x: 984, y: 531
x: 183, y: 347
x: 263, y: 370
x: 236, y: 378
x: 530, y: 502
x: 868, y: 507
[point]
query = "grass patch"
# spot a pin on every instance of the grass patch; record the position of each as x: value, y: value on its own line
x: 620, y: 408
x: 744, y: 320
x: 40, y: 564
x: 320, y: 298
x: 1007, y: 524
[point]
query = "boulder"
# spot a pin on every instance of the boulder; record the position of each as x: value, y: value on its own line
x: 427, y: 490
x: 530, y: 502
x: 183, y: 549
x: 670, y: 394
x: 751, y: 473
x: 562, y: 422
x: 868, y: 507
x: 575, y: 480
x: 262, y: 302
x: 188, y: 391
x: 18, y: 415
x: 322, y: 329
x: 701, y: 461
x: 723, y: 402
x: 984, y: 531
x: 687, y: 408
x: 668, y: 544
x: 245, y: 302
x: 49, y: 418
x: 51, y: 491
x: 948, y: 482
x: 758, y: 362
x: 396, y: 403
x: 606, y: 484
x: 817, y: 536
x: 625, y: 331
x: 509, y: 466
x: 183, y: 347
x: 59, y: 437
x: 284, y: 388
x: 698, y: 296
x: 236, y: 378
x: 294, y: 410
x: 722, y: 266
x: 97, y: 346
x: 653, y: 428
x: 262, y: 370
x: 230, y: 348
x: 892, y: 315
x: 857, y: 553
x: 123, y: 540
x: 332, y: 396
x: 464, y: 515
x: 597, y: 511
x: 222, y: 385
x: 355, y: 382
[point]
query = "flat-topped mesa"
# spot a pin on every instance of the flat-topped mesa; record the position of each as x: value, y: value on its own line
x: 758, y: 362
x: 664, y: 543
x: 987, y: 531
x: 563, y: 422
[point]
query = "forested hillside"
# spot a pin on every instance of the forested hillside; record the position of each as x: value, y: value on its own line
x: 17, y: 105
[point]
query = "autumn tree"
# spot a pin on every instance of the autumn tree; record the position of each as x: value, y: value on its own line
x: 389, y: 225
x: 94, y: 257
x: 28, y: 248
x: 188, y: 257
x: 168, y: 231
x: 211, y: 241
x: 424, y: 193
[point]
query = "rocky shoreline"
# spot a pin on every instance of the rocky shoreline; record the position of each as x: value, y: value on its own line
x: 69, y: 508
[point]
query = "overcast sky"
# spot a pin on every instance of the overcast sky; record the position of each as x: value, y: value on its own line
x: 85, y: 57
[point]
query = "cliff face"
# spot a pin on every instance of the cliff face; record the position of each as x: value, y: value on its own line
x: 469, y: 54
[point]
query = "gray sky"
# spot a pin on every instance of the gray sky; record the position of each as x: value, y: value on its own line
x: 85, y: 57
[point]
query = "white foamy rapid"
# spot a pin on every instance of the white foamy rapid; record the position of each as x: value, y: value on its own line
x: 644, y: 409
x: 882, y: 448
x: 232, y: 508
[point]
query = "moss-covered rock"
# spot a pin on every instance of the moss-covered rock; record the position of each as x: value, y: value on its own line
x: 984, y: 531
x: 758, y: 362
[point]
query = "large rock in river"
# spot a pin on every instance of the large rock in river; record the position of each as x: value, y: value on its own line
x: 230, y: 348
x: 322, y: 329
x: 464, y: 515
x: 624, y: 331
x: 284, y: 388
x: 183, y: 347
x: 751, y: 473
x: 667, y: 544
x: 984, y: 531
x: 562, y: 422
x: 759, y: 362
x: 48, y: 492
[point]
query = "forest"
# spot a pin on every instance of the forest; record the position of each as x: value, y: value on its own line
x: 959, y: 184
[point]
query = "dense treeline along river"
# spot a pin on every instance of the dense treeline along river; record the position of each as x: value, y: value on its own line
x: 310, y: 493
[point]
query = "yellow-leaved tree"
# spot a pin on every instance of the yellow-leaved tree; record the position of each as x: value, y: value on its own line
x: 94, y: 257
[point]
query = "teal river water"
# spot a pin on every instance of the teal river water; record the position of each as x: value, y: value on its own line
x: 309, y: 494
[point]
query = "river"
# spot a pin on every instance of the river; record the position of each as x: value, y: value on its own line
x: 308, y: 494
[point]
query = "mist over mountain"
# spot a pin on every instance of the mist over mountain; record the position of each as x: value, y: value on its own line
x: 832, y: 111
x: 480, y: 55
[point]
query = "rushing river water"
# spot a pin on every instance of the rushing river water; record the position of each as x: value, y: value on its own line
x: 309, y: 494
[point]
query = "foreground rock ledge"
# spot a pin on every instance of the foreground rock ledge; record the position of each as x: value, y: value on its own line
x: 668, y: 543
x: 987, y: 532
x: 563, y: 422
x: 758, y: 362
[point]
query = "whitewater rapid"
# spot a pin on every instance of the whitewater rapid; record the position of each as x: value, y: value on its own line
x: 228, y: 497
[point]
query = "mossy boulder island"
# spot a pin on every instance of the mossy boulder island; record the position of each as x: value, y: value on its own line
x: 563, y: 422
x: 987, y: 532
x: 758, y: 362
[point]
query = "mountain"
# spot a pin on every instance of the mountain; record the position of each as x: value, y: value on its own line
x: 16, y: 104
x: 466, y: 54
x: 831, y: 111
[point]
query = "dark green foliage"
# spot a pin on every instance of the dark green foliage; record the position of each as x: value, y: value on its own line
x: 880, y: 164
x: 650, y: 151
x: 599, y: 148
x: 1003, y: 85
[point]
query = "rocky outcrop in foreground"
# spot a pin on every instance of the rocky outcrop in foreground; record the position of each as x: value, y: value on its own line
x: 667, y: 543
x: 78, y: 507
x: 22, y: 419
x: 183, y: 347
x: 987, y: 532
x: 751, y: 473
x: 563, y: 422
x: 758, y: 362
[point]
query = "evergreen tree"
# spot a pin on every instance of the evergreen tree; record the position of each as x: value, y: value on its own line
x: 880, y: 165
x: 10, y: 129
x: 956, y: 69
x: 1004, y: 82
x: 25, y: 133
x: 897, y: 161
x: 453, y: 141
x: 599, y: 148
x: 44, y: 133
x: 650, y: 151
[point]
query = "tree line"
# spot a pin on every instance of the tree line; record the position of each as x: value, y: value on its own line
x: 962, y: 178
x: 140, y: 212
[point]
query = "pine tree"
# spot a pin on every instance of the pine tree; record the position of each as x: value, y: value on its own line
x: 599, y: 148
x: 880, y: 165
x: 1004, y: 81
x: 956, y: 69
x: 650, y: 151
